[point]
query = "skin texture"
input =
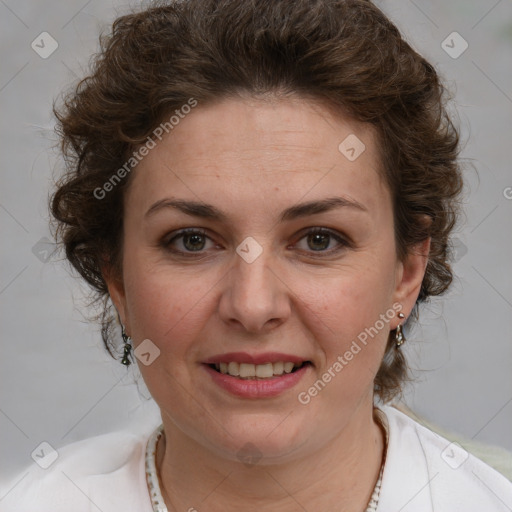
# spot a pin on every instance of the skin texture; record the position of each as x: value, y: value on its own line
x: 252, y: 158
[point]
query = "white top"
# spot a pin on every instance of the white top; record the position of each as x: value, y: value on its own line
x: 424, y: 472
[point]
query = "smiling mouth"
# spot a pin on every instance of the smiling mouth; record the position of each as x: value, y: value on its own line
x: 249, y: 371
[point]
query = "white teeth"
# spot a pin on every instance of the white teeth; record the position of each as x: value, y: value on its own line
x: 247, y: 370
x: 259, y: 371
x: 264, y: 371
x: 278, y: 368
x: 234, y: 369
x: 288, y: 367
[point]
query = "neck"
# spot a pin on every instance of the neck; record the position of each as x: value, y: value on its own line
x: 340, y: 475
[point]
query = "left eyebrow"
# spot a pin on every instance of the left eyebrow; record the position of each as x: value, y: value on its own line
x: 208, y: 211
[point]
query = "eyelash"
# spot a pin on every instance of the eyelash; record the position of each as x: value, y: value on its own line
x: 166, y: 242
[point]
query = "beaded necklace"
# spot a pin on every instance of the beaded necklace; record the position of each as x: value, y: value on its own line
x: 154, y: 487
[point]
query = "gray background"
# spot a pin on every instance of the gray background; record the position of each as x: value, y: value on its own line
x: 57, y: 383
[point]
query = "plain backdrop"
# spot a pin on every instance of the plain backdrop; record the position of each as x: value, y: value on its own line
x: 57, y: 383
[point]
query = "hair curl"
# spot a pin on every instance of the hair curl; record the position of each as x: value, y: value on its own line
x: 345, y: 52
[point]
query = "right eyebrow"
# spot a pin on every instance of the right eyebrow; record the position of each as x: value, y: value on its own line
x: 208, y: 211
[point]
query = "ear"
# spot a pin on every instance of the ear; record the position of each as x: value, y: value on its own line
x: 409, y: 276
x: 116, y: 291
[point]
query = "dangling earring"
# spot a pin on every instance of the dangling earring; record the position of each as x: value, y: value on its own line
x: 399, y: 336
x: 127, y: 349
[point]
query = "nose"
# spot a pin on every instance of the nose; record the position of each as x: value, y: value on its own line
x: 254, y: 299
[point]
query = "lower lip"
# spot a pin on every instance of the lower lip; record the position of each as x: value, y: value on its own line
x: 255, y: 388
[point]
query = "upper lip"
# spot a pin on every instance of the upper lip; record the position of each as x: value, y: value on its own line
x: 244, y: 357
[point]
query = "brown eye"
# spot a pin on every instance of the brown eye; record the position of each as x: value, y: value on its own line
x: 192, y: 240
x: 319, y: 240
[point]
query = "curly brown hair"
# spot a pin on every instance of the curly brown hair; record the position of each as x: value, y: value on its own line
x: 343, y: 52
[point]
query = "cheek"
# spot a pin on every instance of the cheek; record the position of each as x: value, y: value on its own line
x: 161, y: 304
x: 349, y: 313
x: 351, y: 297
x: 351, y: 327
x: 166, y: 303
x: 168, y: 309
x: 169, y: 305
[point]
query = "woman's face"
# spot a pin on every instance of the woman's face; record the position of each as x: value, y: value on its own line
x: 253, y: 283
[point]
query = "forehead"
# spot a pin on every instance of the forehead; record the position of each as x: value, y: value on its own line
x: 262, y: 149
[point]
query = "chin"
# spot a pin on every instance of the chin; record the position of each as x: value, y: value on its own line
x: 268, y: 440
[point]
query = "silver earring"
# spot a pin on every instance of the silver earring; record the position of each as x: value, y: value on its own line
x: 399, y: 335
x: 127, y: 349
